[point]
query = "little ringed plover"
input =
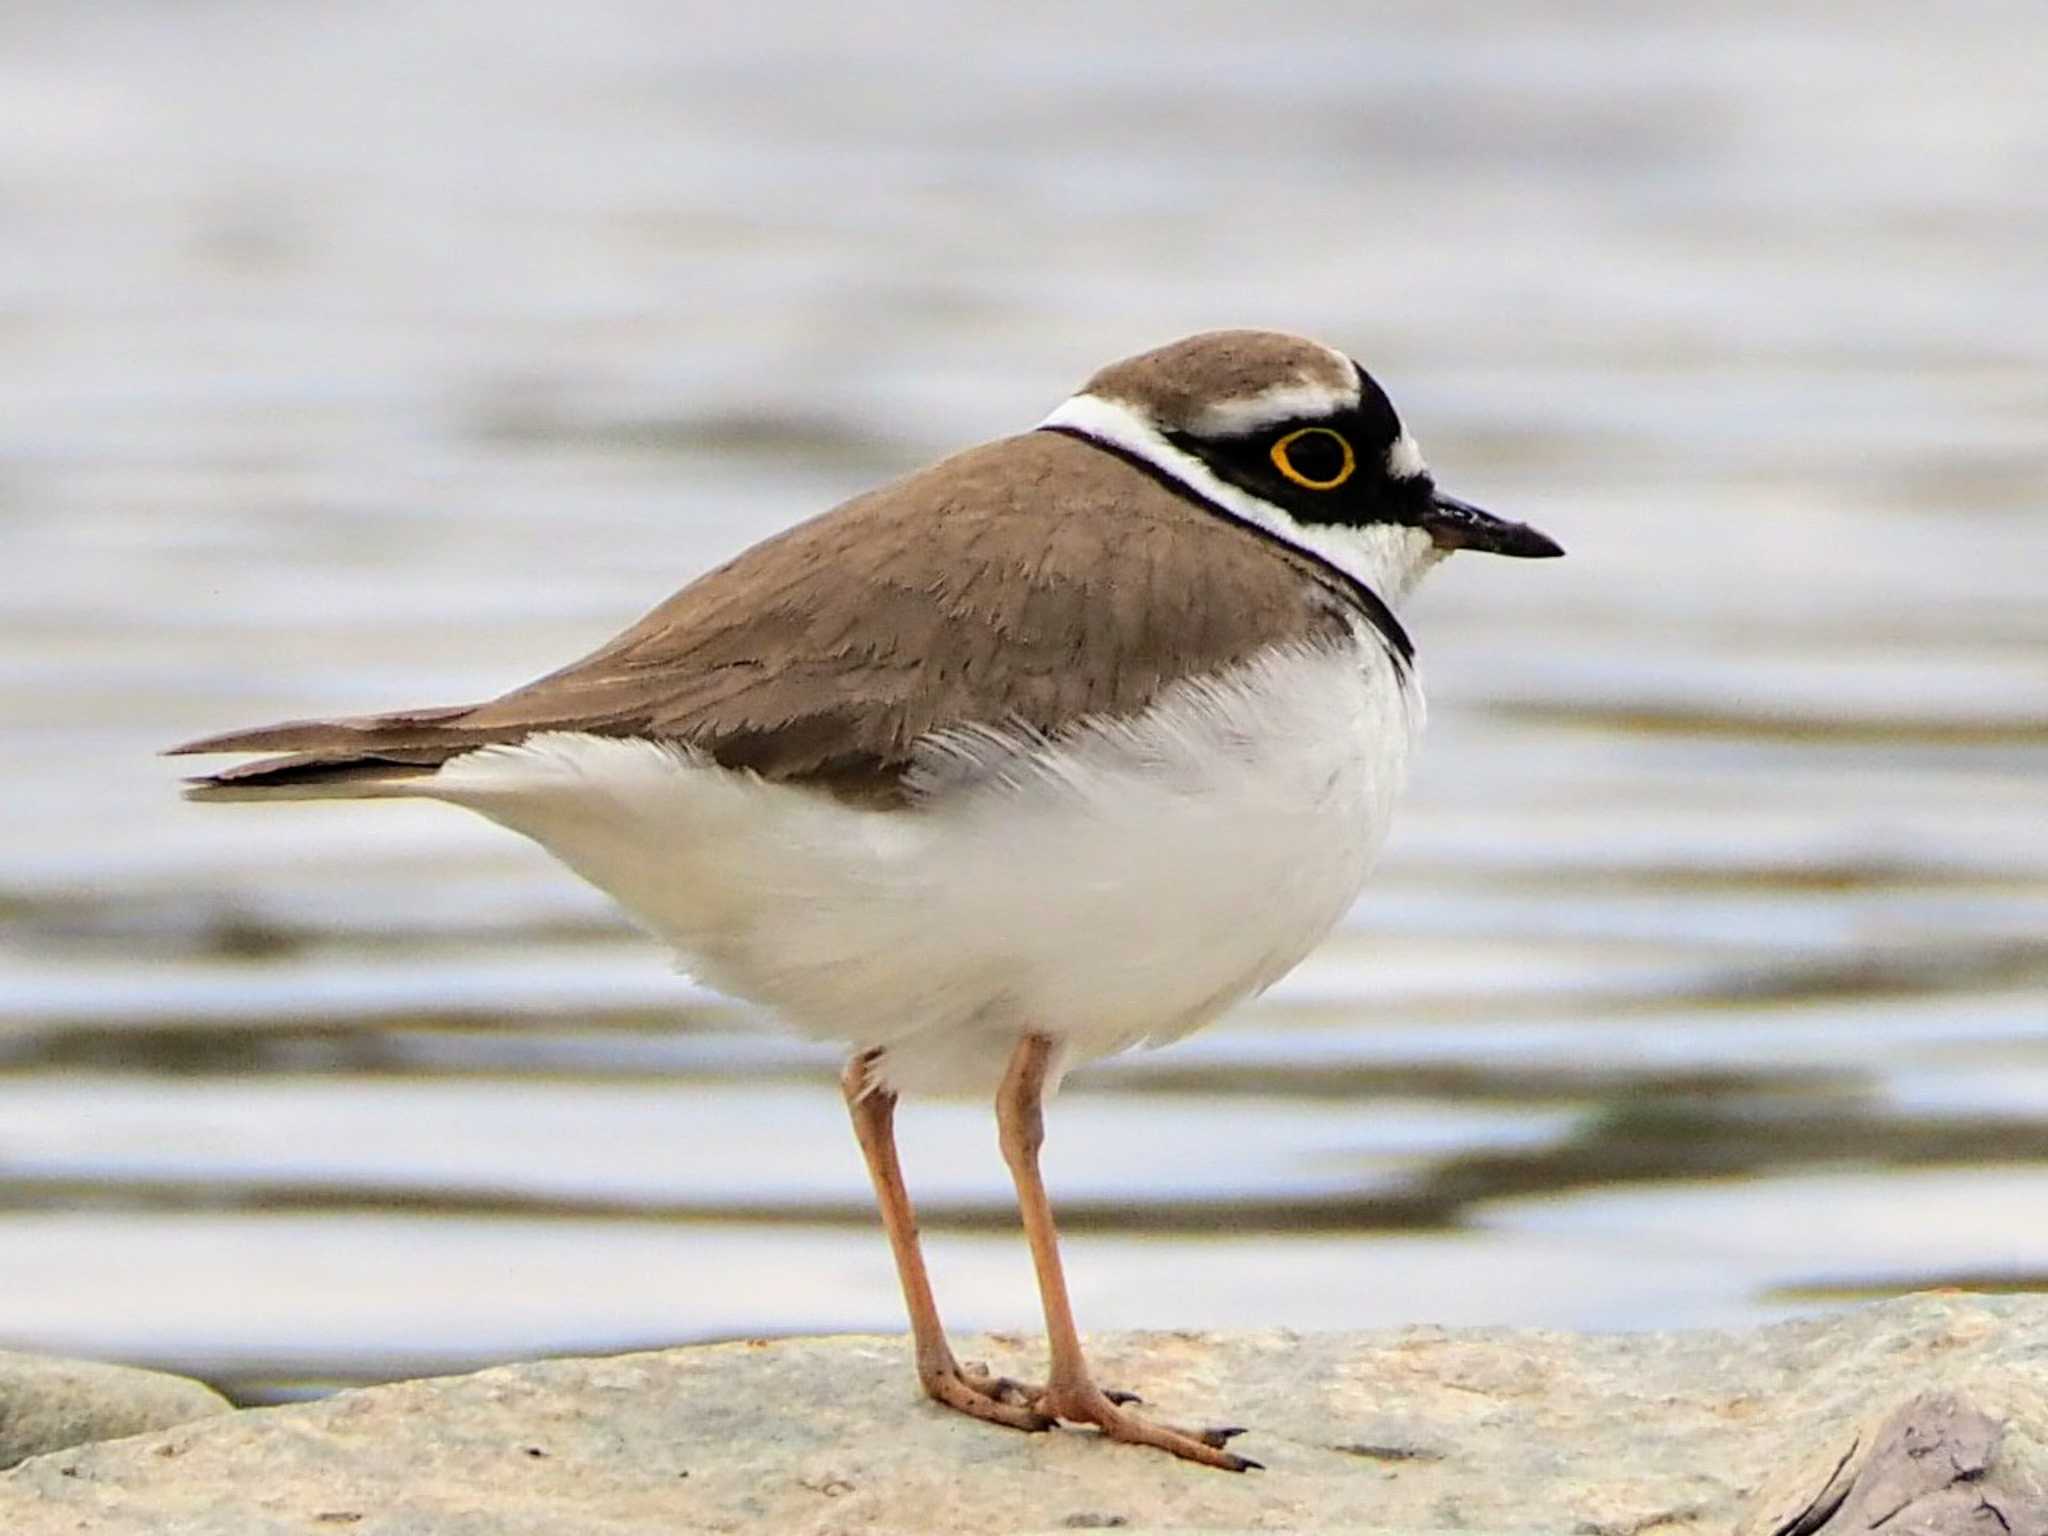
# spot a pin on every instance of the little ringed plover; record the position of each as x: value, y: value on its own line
x: 1061, y: 745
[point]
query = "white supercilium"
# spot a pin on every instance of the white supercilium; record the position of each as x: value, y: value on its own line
x: 1301, y: 399
x: 1404, y: 459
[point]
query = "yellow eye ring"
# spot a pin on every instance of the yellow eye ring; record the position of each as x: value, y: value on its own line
x: 1283, y: 461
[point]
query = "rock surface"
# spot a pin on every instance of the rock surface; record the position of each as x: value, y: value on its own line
x: 48, y: 1404
x: 1924, y: 1415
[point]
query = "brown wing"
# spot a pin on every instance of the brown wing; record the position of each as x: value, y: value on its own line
x: 1031, y: 581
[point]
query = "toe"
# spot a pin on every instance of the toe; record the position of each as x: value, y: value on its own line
x: 1004, y: 1389
x: 968, y: 1396
x: 1086, y: 1405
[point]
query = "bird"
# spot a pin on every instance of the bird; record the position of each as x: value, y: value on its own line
x: 1061, y: 745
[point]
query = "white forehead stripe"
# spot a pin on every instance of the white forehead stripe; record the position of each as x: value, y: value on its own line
x: 1404, y: 459
x: 1303, y: 399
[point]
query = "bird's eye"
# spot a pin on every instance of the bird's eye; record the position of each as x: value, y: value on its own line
x: 1316, y: 457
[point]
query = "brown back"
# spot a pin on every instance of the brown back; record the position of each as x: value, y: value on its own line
x: 1031, y: 581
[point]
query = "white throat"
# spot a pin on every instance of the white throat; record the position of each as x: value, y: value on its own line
x: 1388, y: 558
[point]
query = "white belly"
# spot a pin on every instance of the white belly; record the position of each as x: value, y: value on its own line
x: 1125, y: 886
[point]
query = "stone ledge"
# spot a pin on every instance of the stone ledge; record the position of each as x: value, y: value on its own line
x: 1918, y: 1416
x: 48, y: 1404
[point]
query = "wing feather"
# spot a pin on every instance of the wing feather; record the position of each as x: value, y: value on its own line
x: 1030, y: 582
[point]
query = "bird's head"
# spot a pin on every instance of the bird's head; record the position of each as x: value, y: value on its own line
x: 1297, y: 439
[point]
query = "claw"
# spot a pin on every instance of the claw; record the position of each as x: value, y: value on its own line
x: 1120, y: 1398
x: 1246, y: 1464
x: 1084, y: 1403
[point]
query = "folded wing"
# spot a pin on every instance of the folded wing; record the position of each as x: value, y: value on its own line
x: 1027, y: 583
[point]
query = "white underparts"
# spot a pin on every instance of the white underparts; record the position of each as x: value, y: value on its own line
x: 1388, y: 558
x: 1124, y: 884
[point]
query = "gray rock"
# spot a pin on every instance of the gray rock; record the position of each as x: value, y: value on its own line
x: 1936, y: 1464
x: 1937, y: 1405
x: 49, y: 1404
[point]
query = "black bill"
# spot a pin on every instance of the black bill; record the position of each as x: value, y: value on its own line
x: 1456, y: 524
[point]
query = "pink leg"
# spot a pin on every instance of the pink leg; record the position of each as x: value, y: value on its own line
x: 874, y: 1124
x: 1072, y: 1393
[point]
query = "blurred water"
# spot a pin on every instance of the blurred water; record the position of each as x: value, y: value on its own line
x: 390, y: 354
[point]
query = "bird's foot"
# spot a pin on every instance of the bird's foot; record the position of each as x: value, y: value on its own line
x: 1089, y: 1404
x: 1006, y: 1389
x: 976, y: 1391
x: 979, y: 1395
